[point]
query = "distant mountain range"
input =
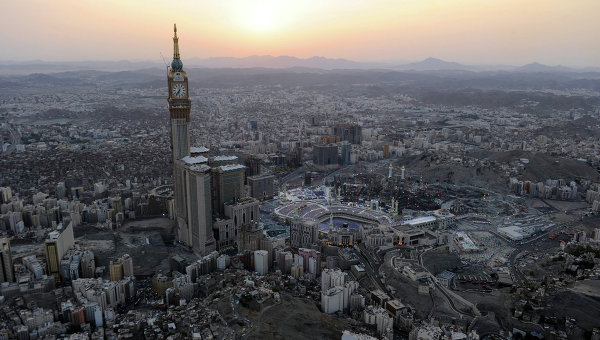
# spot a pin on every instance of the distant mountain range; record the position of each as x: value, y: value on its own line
x: 281, y: 62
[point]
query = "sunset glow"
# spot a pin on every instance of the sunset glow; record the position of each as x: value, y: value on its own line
x: 499, y: 31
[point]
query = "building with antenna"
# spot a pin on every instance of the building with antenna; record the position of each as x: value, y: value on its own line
x: 192, y: 180
x: 212, y: 210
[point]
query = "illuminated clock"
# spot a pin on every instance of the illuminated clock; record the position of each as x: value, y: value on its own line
x: 178, y: 90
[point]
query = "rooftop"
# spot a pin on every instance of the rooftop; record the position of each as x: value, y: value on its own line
x: 232, y: 167
x: 199, y: 149
x: 420, y: 220
x: 224, y: 158
x: 194, y: 160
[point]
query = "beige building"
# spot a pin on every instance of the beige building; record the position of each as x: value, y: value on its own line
x: 116, y: 270
x: 57, y: 244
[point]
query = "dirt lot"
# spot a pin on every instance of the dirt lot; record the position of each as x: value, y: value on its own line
x: 440, y: 260
x: 297, y: 318
x: 148, y: 242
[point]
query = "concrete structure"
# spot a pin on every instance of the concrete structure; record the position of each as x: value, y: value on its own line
x: 303, y: 233
x: 325, y: 157
x: 512, y: 232
x: 331, y: 278
x: 127, y: 265
x: 350, y: 132
x: 121, y: 267
x: 227, y: 185
x: 332, y: 300
x: 311, y: 260
x: 194, y: 211
x: 422, y: 222
x: 57, y: 244
x: 7, y: 272
x: 192, y: 182
x: 379, y: 317
x: 261, y: 262
x: 262, y: 186
x: 243, y: 215
x: 346, y: 150
x: 116, y: 270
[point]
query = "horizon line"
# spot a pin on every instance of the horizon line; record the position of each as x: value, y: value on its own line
x: 389, y: 62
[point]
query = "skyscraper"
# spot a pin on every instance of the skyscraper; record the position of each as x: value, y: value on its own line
x: 192, y: 188
x: 57, y: 244
x: 7, y: 273
x: 350, y: 132
x: 179, y: 104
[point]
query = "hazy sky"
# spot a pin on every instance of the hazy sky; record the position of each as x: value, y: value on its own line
x: 469, y: 31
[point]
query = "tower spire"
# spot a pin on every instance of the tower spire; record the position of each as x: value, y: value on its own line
x: 176, y: 64
x: 175, y: 43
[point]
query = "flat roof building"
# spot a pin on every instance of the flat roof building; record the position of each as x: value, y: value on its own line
x: 57, y: 244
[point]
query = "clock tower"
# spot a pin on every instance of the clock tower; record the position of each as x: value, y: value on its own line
x: 179, y: 105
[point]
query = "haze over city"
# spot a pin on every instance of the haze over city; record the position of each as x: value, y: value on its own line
x: 306, y: 170
x: 513, y: 32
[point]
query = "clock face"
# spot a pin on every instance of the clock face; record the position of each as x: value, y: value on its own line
x: 178, y: 90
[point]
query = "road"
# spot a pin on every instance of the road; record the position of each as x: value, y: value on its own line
x: 371, y: 266
x: 520, y: 247
x: 15, y: 139
x: 292, y: 175
x: 442, y: 288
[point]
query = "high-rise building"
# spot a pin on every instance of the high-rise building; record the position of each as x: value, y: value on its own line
x: 179, y: 104
x: 303, y: 233
x: 116, y: 270
x: 308, y: 254
x: 262, y: 186
x: 244, y: 216
x: 121, y: 267
x: 210, y: 204
x: 261, y: 262
x: 192, y: 191
x: 7, y: 272
x: 345, y: 151
x: 57, y: 244
x: 61, y: 190
x: 127, y: 265
x: 227, y: 185
x: 194, y: 218
x: 253, y: 164
x: 325, y: 157
x: 5, y: 194
x: 348, y: 131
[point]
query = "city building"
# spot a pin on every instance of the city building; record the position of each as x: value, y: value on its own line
x: 303, y: 233
x: 121, y: 267
x: 350, y: 132
x: 7, y: 272
x: 325, y: 157
x: 192, y: 188
x: 116, y: 270
x: 262, y: 186
x: 57, y: 244
x: 261, y: 262
x: 346, y: 149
